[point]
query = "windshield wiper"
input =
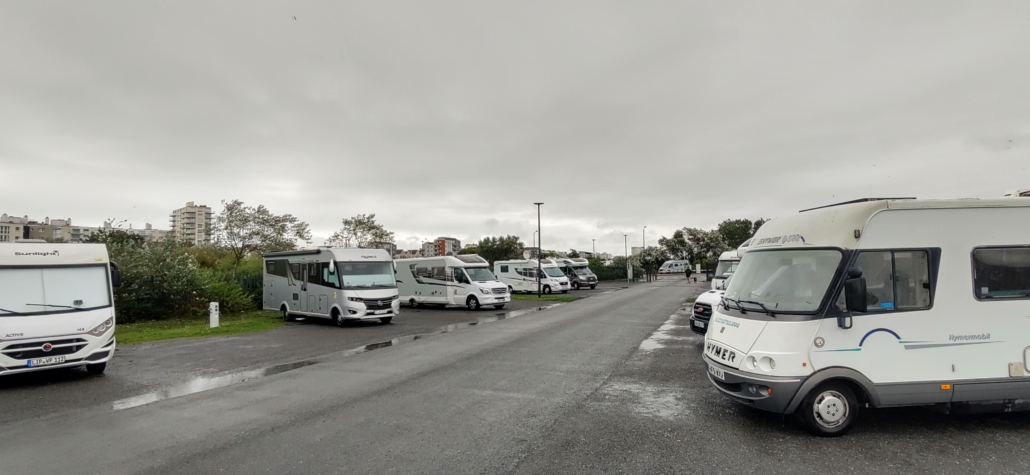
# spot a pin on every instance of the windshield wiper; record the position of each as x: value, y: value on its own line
x: 767, y: 311
x: 55, y: 306
x: 739, y: 306
x: 12, y: 312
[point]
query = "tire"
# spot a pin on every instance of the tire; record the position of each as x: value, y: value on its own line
x: 511, y: 290
x: 592, y: 287
x: 337, y: 318
x: 499, y: 306
x: 386, y: 320
x: 547, y: 289
x: 472, y: 303
x: 286, y: 314
x: 96, y: 369
x: 413, y: 302
x: 575, y: 285
x: 829, y: 410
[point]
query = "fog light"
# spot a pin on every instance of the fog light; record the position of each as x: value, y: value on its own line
x: 352, y: 312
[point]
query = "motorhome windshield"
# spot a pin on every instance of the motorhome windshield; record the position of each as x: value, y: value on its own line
x: 582, y: 271
x: 784, y: 281
x: 39, y: 291
x: 726, y: 268
x: 366, y: 274
x: 480, y: 274
x: 553, y: 272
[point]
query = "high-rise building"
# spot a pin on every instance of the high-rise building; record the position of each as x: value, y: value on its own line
x: 446, y: 245
x: 192, y: 224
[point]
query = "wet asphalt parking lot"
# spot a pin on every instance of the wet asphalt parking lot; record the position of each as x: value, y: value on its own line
x: 609, y: 384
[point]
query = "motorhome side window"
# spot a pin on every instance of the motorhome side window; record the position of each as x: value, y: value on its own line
x: 504, y: 268
x: 895, y: 280
x: 295, y: 270
x: 277, y: 267
x: 1001, y: 273
x: 329, y: 280
x: 459, y: 276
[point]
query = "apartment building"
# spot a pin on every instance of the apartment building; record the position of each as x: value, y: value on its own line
x: 440, y: 247
x: 408, y: 254
x: 192, y: 223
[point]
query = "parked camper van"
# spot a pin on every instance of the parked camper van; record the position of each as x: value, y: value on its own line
x: 56, y: 307
x: 728, y: 265
x: 879, y: 302
x: 523, y: 276
x: 332, y: 283
x: 577, y: 269
x: 673, y: 267
x: 462, y: 280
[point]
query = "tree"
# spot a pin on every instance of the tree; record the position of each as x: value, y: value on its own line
x: 757, y: 224
x: 501, y: 248
x: 676, y: 246
x: 652, y: 257
x: 469, y: 249
x: 704, y: 246
x: 573, y: 253
x: 244, y: 229
x: 735, y: 231
x: 361, y: 231
x: 115, y: 237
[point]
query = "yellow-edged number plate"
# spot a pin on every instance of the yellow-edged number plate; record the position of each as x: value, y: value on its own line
x: 718, y: 373
x: 45, y: 361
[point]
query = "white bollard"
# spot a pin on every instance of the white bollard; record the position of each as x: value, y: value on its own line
x: 213, y: 310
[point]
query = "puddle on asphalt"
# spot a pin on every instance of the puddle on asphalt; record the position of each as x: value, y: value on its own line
x: 663, y: 337
x: 647, y: 400
x: 206, y: 384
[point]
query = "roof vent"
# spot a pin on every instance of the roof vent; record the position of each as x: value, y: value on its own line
x: 1024, y: 193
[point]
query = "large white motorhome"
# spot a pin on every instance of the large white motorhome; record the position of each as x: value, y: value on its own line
x: 674, y: 267
x: 528, y: 275
x: 462, y: 280
x: 577, y: 269
x: 728, y: 265
x: 339, y: 284
x: 877, y: 303
x: 56, y: 307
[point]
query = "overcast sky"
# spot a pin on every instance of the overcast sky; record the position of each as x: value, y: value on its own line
x: 452, y: 118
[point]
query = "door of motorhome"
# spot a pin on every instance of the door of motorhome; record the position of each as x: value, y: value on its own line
x: 879, y: 302
x: 577, y: 269
x: 462, y: 280
x: 56, y: 307
x: 338, y: 284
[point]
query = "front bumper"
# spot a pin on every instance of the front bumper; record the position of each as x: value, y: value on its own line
x: 95, y: 350
x: 493, y: 299
x: 752, y: 390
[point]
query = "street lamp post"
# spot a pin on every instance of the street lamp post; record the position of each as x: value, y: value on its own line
x: 643, y: 245
x: 625, y: 243
x: 593, y: 248
x: 539, y: 252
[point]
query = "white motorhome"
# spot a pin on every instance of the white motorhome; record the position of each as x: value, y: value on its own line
x: 877, y: 303
x: 56, y: 307
x: 727, y: 265
x: 462, y: 280
x: 577, y: 269
x: 339, y: 284
x: 674, y: 267
x: 529, y: 275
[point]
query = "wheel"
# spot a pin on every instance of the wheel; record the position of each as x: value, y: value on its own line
x: 547, y: 289
x: 592, y: 287
x: 412, y: 302
x: 96, y: 368
x: 473, y: 303
x: 337, y: 318
x: 386, y: 320
x: 829, y: 410
x: 511, y: 290
x: 499, y: 306
x: 286, y: 314
x: 575, y: 285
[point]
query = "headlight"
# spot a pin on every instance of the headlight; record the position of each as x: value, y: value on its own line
x: 484, y: 290
x: 103, y: 327
x: 356, y: 299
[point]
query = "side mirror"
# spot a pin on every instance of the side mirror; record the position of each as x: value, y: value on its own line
x: 855, y: 295
x: 116, y: 275
x: 332, y: 267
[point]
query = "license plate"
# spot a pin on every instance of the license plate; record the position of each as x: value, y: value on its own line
x: 699, y: 324
x: 718, y: 373
x: 502, y: 299
x: 45, y: 361
x: 380, y: 312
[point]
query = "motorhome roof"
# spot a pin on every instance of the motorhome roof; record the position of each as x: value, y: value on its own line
x: 841, y: 225
x: 348, y: 254
x: 33, y: 254
x: 543, y: 262
x: 463, y: 260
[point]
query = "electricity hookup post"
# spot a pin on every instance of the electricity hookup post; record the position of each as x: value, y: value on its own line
x: 213, y: 311
x: 539, y: 253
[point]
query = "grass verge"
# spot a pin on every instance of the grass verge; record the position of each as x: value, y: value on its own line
x: 544, y: 298
x: 247, y: 322
x: 692, y: 300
